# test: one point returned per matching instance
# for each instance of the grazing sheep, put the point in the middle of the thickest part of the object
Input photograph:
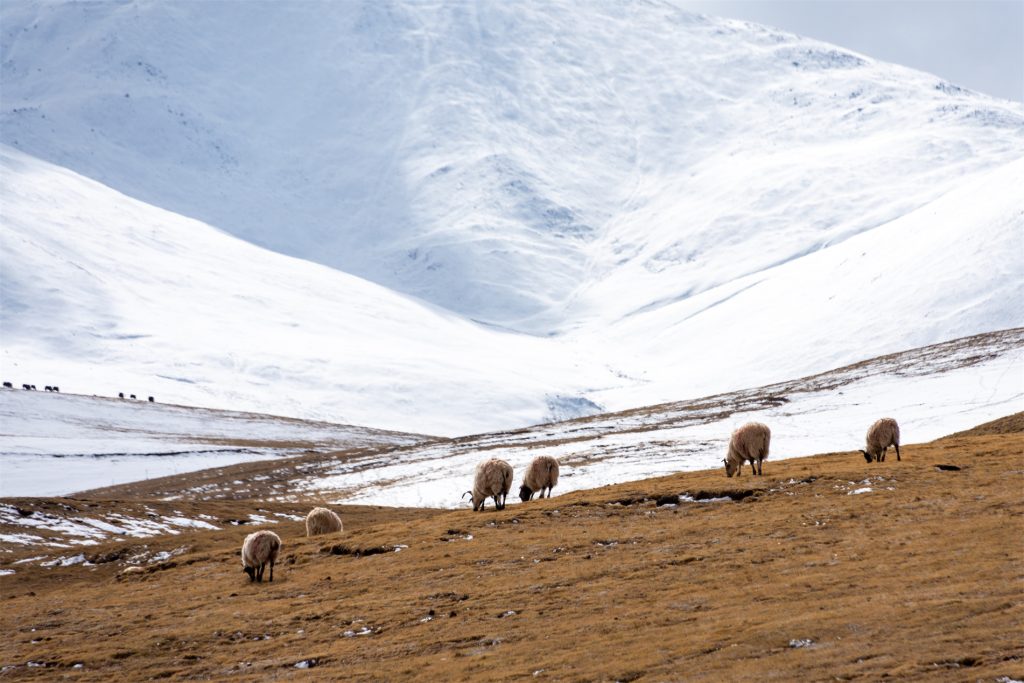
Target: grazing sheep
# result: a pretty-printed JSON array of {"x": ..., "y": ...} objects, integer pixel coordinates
[
  {"x": 882, "y": 434},
  {"x": 749, "y": 443},
  {"x": 322, "y": 521},
  {"x": 493, "y": 478},
  {"x": 541, "y": 474},
  {"x": 259, "y": 549}
]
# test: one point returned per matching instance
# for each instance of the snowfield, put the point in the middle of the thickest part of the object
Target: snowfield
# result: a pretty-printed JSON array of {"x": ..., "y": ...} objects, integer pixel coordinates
[
  {"x": 55, "y": 444},
  {"x": 932, "y": 393},
  {"x": 512, "y": 163},
  {"x": 451, "y": 218}
]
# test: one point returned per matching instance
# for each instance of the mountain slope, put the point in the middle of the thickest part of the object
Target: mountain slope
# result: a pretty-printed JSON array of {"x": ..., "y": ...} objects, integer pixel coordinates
[
  {"x": 103, "y": 294},
  {"x": 640, "y": 204},
  {"x": 512, "y": 163},
  {"x": 904, "y": 571}
]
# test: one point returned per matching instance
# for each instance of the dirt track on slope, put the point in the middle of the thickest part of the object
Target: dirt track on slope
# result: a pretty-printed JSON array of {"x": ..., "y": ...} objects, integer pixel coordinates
[{"x": 798, "y": 575}]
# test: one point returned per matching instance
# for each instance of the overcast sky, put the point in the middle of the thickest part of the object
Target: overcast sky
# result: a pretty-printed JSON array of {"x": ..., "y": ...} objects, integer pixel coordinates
[{"x": 977, "y": 44}]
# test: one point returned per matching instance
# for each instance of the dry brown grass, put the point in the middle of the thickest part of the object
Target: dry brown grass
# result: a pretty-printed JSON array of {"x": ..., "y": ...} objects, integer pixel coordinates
[{"x": 919, "y": 579}]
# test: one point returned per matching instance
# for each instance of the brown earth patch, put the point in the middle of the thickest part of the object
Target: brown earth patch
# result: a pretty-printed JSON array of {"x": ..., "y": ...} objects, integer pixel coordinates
[{"x": 804, "y": 576}]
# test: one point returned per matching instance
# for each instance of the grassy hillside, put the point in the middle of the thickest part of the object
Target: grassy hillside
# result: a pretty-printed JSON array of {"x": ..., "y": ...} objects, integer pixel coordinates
[{"x": 825, "y": 568}]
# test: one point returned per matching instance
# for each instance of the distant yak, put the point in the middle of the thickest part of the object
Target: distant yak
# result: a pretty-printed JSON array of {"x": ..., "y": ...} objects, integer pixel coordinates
[
  {"x": 8, "y": 385},
  {"x": 151, "y": 399},
  {"x": 120, "y": 394},
  {"x": 133, "y": 395}
]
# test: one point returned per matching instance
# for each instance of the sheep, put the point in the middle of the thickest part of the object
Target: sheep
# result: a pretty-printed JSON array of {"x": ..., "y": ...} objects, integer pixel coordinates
[
  {"x": 882, "y": 434},
  {"x": 493, "y": 478},
  {"x": 322, "y": 521},
  {"x": 260, "y": 548},
  {"x": 749, "y": 443},
  {"x": 541, "y": 474}
]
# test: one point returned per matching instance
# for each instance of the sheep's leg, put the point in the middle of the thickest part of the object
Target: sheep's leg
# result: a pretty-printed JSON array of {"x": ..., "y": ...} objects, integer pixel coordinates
[
  {"x": 897, "y": 452},
  {"x": 271, "y": 571},
  {"x": 259, "y": 572},
  {"x": 753, "y": 468},
  {"x": 759, "y": 468},
  {"x": 881, "y": 458}
]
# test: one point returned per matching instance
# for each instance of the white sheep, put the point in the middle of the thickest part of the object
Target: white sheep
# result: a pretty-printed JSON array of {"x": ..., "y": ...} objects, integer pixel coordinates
[
  {"x": 882, "y": 434},
  {"x": 749, "y": 443},
  {"x": 541, "y": 474},
  {"x": 259, "y": 549},
  {"x": 493, "y": 479},
  {"x": 322, "y": 521}
]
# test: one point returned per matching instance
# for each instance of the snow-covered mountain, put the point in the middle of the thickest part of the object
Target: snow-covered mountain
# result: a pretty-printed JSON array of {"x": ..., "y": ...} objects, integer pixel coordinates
[
  {"x": 105, "y": 294},
  {"x": 641, "y": 204}
]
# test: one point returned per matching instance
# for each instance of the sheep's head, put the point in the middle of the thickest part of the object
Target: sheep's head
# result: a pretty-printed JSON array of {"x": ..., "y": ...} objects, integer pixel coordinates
[
  {"x": 476, "y": 503},
  {"x": 731, "y": 467},
  {"x": 867, "y": 456},
  {"x": 251, "y": 572},
  {"x": 525, "y": 492}
]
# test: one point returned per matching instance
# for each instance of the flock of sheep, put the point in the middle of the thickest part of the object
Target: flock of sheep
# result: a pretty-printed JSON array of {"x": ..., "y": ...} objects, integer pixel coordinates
[
  {"x": 493, "y": 479},
  {"x": 56, "y": 389}
]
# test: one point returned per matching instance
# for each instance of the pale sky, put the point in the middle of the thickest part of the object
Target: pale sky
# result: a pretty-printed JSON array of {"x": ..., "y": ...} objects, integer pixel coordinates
[{"x": 976, "y": 44}]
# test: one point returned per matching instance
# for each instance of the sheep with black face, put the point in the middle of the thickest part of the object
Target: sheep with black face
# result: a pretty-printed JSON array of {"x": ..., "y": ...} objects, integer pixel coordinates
[{"x": 540, "y": 475}]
